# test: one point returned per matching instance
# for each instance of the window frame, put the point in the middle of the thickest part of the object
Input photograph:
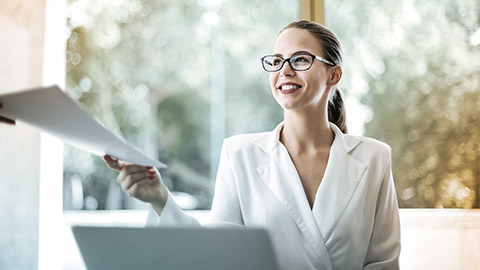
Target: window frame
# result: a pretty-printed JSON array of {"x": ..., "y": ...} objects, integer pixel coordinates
[{"x": 312, "y": 10}]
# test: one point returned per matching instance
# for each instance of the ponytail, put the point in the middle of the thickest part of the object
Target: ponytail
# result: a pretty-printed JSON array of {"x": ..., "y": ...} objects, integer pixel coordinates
[{"x": 336, "y": 111}]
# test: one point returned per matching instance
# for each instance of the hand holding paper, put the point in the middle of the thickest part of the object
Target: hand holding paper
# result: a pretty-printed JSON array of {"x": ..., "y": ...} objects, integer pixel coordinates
[
  {"x": 141, "y": 182},
  {"x": 52, "y": 111}
]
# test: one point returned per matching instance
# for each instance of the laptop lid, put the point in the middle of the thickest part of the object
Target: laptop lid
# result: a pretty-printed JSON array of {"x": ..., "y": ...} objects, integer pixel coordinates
[{"x": 174, "y": 248}]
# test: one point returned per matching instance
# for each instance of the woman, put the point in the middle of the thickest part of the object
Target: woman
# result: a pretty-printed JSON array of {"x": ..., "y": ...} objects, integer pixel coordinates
[{"x": 327, "y": 198}]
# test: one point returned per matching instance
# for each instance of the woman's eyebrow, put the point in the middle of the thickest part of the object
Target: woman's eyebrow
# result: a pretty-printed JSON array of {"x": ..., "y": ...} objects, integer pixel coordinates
[
  {"x": 295, "y": 53},
  {"x": 301, "y": 52}
]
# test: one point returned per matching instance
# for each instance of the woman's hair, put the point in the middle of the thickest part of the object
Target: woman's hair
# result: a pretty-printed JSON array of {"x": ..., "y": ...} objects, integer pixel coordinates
[{"x": 332, "y": 51}]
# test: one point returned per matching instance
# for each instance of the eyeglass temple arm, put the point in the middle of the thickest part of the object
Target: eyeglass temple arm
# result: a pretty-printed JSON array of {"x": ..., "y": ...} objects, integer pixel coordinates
[{"x": 324, "y": 61}]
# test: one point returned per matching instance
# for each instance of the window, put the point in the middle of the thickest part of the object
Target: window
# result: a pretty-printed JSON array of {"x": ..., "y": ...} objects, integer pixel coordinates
[
  {"x": 174, "y": 78},
  {"x": 412, "y": 77}
]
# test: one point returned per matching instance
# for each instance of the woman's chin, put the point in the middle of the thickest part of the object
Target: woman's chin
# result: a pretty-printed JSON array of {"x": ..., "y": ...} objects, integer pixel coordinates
[{"x": 290, "y": 106}]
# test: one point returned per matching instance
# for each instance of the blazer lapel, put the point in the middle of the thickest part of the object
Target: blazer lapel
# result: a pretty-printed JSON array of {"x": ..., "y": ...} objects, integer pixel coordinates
[
  {"x": 342, "y": 175},
  {"x": 280, "y": 175}
]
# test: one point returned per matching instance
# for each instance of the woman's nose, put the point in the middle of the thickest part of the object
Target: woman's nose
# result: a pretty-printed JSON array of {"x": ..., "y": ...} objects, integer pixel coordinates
[{"x": 286, "y": 70}]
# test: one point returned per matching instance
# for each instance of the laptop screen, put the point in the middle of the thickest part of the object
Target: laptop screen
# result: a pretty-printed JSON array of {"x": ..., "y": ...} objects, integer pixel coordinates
[{"x": 174, "y": 248}]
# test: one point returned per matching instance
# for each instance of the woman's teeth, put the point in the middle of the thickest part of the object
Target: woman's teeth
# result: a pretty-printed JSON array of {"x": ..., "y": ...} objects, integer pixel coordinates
[{"x": 289, "y": 87}]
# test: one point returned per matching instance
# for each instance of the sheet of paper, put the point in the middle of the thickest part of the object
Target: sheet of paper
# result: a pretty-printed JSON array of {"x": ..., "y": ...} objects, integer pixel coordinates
[{"x": 53, "y": 111}]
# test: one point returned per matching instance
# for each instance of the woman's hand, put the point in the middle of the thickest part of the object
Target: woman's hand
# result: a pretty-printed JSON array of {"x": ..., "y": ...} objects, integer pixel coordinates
[
  {"x": 141, "y": 182},
  {"x": 6, "y": 120}
]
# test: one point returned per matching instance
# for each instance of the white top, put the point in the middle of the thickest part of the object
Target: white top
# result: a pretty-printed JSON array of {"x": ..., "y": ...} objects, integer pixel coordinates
[{"x": 354, "y": 223}]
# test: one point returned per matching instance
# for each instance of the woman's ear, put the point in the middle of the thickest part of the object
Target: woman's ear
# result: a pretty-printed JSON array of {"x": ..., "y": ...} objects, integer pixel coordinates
[{"x": 335, "y": 75}]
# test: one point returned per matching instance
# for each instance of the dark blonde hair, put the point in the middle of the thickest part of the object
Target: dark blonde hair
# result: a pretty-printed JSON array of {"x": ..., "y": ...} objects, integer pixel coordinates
[{"x": 332, "y": 51}]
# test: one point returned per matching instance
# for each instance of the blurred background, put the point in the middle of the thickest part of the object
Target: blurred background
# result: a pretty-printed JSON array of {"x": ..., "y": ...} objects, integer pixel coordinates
[
  {"x": 414, "y": 66},
  {"x": 174, "y": 78}
]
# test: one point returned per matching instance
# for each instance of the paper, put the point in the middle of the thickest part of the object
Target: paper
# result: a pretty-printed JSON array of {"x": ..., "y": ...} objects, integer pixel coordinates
[{"x": 53, "y": 111}]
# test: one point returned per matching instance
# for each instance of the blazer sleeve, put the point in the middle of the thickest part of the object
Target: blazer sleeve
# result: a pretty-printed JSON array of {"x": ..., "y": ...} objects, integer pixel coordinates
[
  {"x": 384, "y": 248},
  {"x": 171, "y": 215},
  {"x": 225, "y": 206}
]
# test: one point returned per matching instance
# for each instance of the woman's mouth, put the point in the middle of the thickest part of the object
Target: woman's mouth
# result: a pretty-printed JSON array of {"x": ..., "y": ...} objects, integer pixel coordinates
[{"x": 289, "y": 88}]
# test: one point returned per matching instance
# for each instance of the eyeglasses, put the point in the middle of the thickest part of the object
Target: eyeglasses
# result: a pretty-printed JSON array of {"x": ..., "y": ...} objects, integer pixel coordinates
[{"x": 298, "y": 62}]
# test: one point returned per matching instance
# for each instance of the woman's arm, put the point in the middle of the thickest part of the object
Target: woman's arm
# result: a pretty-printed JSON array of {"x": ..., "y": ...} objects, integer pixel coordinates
[
  {"x": 384, "y": 248},
  {"x": 225, "y": 208},
  {"x": 145, "y": 183}
]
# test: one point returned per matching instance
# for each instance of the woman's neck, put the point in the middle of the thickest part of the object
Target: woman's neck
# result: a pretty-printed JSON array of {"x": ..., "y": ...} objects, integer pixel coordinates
[{"x": 306, "y": 131}]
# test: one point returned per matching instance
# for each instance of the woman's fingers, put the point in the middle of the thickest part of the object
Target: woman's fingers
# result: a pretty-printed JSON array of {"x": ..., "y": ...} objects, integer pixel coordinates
[
  {"x": 131, "y": 179},
  {"x": 112, "y": 162},
  {"x": 5, "y": 119},
  {"x": 130, "y": 170},
  {"x": 134, "y": 189}
]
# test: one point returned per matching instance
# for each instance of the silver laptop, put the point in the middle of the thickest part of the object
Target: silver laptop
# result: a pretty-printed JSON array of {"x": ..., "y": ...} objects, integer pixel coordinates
[{"x": 174, "y": 248}]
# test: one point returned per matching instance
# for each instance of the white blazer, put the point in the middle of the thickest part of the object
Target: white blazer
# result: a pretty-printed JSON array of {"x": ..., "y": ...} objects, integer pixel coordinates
[{"x": 354, "y": 223}]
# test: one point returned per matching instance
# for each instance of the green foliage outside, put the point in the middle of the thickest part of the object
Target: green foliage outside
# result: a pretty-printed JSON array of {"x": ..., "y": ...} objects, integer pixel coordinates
[{"x": 419, "y": 69}]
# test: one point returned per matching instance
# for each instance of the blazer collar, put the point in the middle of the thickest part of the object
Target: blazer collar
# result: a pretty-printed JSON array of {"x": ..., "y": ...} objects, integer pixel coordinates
[
  {"x": 333, "y": 196},
  {"x": 268, "y": 141}
]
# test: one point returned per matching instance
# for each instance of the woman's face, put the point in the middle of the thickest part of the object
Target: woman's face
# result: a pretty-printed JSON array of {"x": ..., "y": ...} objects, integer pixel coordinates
[{"x": 296, "y": 90}]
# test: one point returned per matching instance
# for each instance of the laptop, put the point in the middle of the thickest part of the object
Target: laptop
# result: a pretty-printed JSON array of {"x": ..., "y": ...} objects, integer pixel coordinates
[{"x": 174, "y": 248}]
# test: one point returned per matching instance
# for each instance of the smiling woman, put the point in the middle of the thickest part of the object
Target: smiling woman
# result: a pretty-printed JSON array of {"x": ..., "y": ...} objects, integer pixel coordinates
[
  {"x": 332, "y": 192},
  {"x": 332, "y": 50}
]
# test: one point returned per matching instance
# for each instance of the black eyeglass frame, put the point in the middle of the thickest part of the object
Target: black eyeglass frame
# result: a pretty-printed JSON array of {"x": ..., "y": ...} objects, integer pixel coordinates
[{"x": 314, "y": 57}]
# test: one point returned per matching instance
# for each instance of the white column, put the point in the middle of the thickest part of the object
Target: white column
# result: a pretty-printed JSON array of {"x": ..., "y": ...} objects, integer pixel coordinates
[
  {"x": 51, "y": 149},
  {"x": 21, "y": 57}
]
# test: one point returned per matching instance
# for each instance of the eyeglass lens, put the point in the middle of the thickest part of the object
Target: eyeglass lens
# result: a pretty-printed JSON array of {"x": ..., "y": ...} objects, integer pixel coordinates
[{"x": 297, "y": 62}]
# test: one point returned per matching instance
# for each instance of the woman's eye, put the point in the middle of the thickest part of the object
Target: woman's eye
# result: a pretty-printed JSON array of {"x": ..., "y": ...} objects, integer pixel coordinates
[
  {"x": 301, "y": 59},
  {"x": 276, "y": 62}
]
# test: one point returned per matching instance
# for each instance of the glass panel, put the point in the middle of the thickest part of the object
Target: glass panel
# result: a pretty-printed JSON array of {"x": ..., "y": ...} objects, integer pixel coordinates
[
  {"x": 173, "y": 78},
  {"x": 412, "y": 77}
]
